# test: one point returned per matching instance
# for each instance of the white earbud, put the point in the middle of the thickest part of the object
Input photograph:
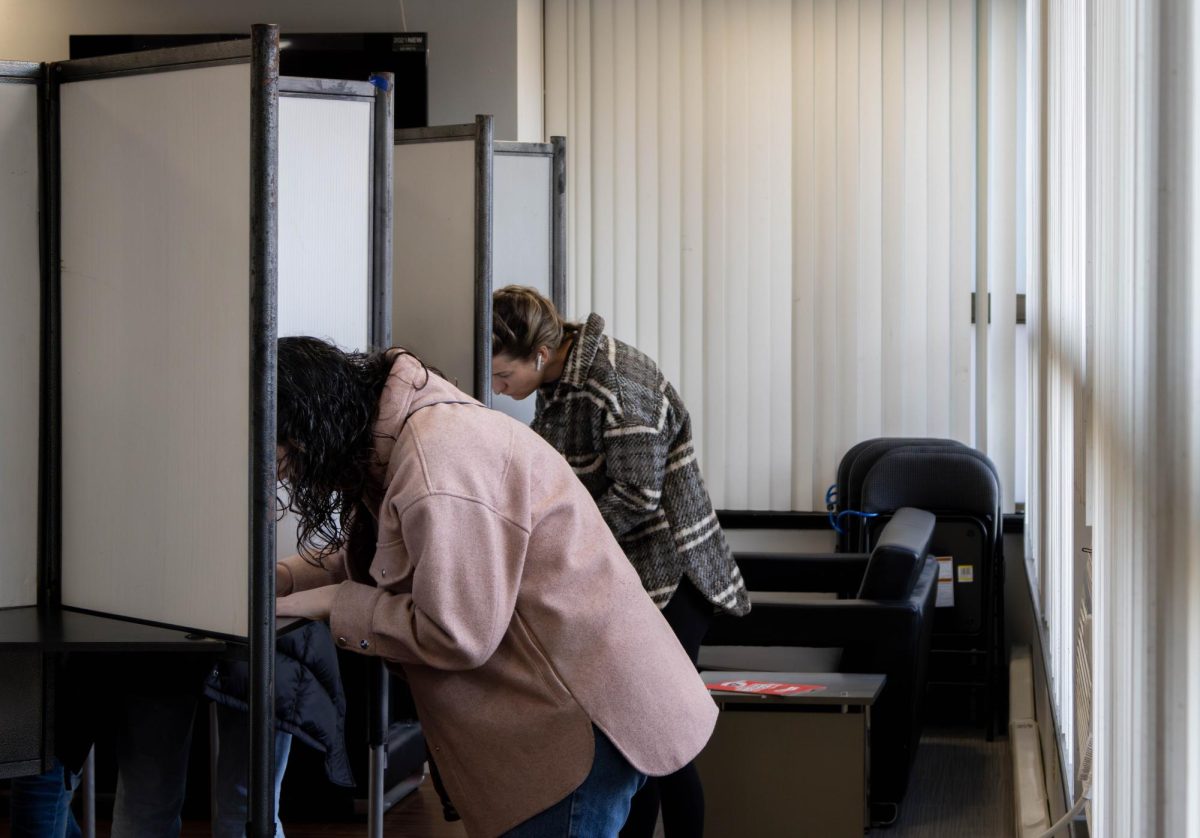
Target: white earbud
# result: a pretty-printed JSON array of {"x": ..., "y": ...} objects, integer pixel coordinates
[{"x": 537, "y": 365}]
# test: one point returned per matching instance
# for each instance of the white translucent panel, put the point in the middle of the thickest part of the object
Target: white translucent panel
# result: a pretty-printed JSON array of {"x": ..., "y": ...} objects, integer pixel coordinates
[
  {"x": 19, "y": 341},
  {"x": 433, "y": 288},
  {"x": 521, "y": 220},
  {"x": 156, "y": 346},
  {"x": 522, "y": 238},
  {"x": 324, "y": 230},
  {"x": 325, "y": 219}
]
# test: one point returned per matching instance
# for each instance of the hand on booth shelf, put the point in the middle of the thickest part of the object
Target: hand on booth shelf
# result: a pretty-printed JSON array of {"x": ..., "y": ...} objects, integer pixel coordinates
[{"x": 314, "y": 604}]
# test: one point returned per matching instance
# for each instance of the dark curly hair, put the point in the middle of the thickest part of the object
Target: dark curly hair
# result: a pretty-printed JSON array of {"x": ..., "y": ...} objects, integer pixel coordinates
[{"x": 327, "y": 401}]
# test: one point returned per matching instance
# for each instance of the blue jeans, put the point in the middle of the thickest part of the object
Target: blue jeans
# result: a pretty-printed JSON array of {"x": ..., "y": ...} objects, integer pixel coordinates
[
  {"x": 40, "y": 806},
  {"x": 153, "y": 739},
  {"x": 598, "y": 808}
]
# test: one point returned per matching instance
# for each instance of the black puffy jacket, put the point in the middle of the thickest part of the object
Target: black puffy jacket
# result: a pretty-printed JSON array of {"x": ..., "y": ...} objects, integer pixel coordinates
[{"x": 309, "y": 701}]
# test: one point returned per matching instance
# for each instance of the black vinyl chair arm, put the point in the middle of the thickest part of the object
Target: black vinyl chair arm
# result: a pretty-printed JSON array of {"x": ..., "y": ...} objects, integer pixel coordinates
[{"x": 841, "y": 622}]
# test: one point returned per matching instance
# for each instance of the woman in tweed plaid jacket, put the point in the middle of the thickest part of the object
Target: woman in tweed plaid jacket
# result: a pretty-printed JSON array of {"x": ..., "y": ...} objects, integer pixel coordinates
[{"x": 620, "y": 424}]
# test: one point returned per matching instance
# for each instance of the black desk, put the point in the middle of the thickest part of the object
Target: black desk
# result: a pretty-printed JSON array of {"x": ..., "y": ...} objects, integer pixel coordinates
[
  {"x": 29, "y": 638},
  {"x": 793, "y": 766},
  {"x": 60, "y": 630}
]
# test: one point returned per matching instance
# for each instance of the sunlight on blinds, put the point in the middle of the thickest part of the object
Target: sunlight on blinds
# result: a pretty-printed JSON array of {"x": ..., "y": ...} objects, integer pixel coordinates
[
  {"x": 1115, "y": 437},
  {"x": 775, "y": 199}
]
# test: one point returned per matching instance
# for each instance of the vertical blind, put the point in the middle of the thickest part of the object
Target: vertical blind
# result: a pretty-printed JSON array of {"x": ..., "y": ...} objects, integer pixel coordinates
[
  {"x": 1056, "y": 315},
  {"x": 996, "y": 281},
  {"x": 1115, "y": 369},
  {"x": 789, "y": 203},
  {"x": 1147, "y": 517},
  {"x": 776, "y": 200}
]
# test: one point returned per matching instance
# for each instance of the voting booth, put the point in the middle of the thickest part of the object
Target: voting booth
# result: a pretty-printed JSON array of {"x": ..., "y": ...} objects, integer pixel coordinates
[
  {"x": 21, "y": 746},
  {"x": 164, "y": 216},
  {"x": 472, "y": 214}
]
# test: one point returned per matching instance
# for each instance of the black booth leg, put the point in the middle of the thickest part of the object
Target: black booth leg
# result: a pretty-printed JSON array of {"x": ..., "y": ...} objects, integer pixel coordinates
[{"x": 264, "y": 212}]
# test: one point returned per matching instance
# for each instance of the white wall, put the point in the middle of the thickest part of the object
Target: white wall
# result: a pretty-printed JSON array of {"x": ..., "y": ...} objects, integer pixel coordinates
[
  {"x": 473, "y": 44},
  {"x": 530, "y": 73},
  {"x": 472, "y": 59}
]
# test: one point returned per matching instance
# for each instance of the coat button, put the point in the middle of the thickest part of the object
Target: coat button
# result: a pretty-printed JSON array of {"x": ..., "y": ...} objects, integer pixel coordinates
[
  {"x": 383, "y": 572},
  {"x": 341, "y": 641},
  {"x": 364, "y": 644}
]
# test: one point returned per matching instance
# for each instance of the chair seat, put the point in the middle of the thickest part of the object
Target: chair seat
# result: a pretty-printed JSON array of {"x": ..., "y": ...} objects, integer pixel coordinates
[
  {"x": 788, "y": 597},
  {"x": 770, "y": 658}
]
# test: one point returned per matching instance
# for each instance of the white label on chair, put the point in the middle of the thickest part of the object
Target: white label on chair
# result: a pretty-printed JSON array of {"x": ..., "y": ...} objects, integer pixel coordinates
[
  {"x": 966, "y": 573},
  {"x": 945, "y": 588}
]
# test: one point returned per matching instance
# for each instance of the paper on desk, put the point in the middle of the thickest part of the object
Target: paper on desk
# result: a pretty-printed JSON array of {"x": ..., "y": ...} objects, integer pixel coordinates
[{"x": 765, "y": 687}]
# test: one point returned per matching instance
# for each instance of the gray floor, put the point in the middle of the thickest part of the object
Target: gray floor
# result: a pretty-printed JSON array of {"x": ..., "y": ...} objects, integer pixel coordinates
[{"x": 961, "y": 786}]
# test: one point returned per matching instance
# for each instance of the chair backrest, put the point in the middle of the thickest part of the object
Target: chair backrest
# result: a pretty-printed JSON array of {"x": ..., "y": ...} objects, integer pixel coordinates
[
  {"x": 939, "y": 479},
  {"x": 854, "y": 467},
  {"x": 865, "y": 453},
  {"x": 959, "y": 486},
  {"x": 898, "y": 556}
]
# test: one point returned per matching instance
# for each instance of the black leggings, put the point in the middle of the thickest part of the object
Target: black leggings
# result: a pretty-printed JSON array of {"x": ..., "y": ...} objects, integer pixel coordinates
[{"x": 680, "y": 794}]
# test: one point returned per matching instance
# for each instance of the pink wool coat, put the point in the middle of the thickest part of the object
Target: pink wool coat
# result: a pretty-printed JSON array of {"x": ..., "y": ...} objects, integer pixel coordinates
[{"x": 519, "y": 622}]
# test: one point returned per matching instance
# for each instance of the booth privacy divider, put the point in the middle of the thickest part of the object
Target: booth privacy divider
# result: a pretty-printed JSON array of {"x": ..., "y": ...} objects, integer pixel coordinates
[
  {"x": 155, "y": 343},
  {"x": 442, "y": 268},
  {"x": 326, "y": 224},
  {"x": 20, "y": 315},
  {"x": 335, "y": 156},
  {"x": 22, "y": 745},
  {"x": 472, "y": 214},
  {"x": 529, "y": 229}
]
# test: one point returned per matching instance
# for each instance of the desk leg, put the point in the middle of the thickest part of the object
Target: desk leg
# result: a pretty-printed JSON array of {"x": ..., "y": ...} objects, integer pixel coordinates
[
  {"x": 377, "y": 738},
  {"x": 214, "y": 750},
  {"x": 375, "y": 795}
]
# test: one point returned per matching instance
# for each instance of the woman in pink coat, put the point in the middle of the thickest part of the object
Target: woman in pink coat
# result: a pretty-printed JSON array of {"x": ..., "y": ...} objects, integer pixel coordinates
[{"x": 453, "y": 541}]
